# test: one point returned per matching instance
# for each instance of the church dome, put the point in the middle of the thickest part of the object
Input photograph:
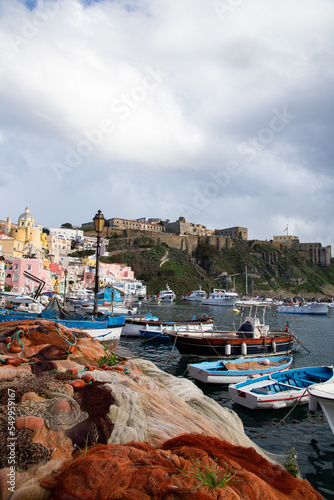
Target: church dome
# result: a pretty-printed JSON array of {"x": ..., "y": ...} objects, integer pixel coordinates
[{"x": 26, "y": 216}]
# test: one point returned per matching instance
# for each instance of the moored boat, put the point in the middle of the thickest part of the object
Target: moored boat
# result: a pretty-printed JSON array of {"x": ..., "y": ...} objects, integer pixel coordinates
[
  {"x": 300, "y": 308},
  {"x": 104, "y": 327},
  {"x": 194, "y": 296},
  {"x": 238, "y": 370},
  {"x": 220, "y": 297},
  {"x": 133, "y": 326},
  {"x": 324, "y": 395},
  {"x": 167, "y": 295},
  {"x": 280, "y": 390},
  {"x": 252, "y": 339}
]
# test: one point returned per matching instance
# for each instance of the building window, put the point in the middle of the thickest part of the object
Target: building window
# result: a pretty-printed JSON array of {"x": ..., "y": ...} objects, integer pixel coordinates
[
  {"x": 15, "y": 277},
  {"x": 29, "y": 267}
]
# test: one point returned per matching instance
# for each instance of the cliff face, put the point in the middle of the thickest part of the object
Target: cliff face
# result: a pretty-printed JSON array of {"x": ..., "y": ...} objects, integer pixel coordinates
[{"x": 269, "y": 270}]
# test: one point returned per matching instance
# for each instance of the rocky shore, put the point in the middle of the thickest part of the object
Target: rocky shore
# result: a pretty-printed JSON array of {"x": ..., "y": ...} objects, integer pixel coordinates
[{"x": 73, "y": 425}]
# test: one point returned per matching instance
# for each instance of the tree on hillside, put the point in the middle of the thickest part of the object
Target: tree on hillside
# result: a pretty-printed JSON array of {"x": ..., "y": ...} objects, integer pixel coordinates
[{"x": 67, "y": 225}]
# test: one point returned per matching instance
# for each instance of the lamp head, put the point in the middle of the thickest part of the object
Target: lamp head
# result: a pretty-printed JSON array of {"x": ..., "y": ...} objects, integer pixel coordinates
[{"x": 99, "y": 221}]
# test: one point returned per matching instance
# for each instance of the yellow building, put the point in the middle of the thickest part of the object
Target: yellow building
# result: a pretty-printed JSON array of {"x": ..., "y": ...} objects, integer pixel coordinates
[{"x": 28, "y": 239}]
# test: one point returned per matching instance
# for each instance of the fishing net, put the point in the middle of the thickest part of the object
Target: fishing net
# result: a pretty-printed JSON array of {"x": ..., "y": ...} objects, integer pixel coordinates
[{"x": 190, "y": 466}]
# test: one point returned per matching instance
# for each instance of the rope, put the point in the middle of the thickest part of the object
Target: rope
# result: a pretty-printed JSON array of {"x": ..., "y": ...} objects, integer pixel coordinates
[
  {"x": 282, "y": 420},
  {"x": 66, "y": 339},
  {"x": 16, "y": 334}
]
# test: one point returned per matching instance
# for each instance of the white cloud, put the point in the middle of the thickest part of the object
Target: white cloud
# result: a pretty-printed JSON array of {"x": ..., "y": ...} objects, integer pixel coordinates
[{"x": 76, "y": 88}]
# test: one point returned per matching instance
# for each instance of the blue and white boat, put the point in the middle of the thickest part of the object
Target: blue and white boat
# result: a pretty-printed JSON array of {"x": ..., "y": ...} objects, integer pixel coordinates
[
  {"x": 280, "y": 390},
  {"x": 105, "y": 327},
  {"x": 237, "y": 370}
]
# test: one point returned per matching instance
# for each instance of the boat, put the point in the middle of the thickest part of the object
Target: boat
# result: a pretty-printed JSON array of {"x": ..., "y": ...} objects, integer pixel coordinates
[
  {"x": 256, "y": 301},
  {"x": 23, "y": 303},
  {"x": 324, "y": 395},
  {"x": 133, "y": 326},
  {"x": 220, "y": 297},
  {"x": 104, "y": 327},
  {"x": 304, "y": 308},
  {"x": 167, "y": 295},
  {"x": 195, "y": 295},
  {"x": 280, "y": 390},
  {"x": 238, "y": 370},
  {"x": 195, "y": 325},
  {"x": 252, "y": 339}
]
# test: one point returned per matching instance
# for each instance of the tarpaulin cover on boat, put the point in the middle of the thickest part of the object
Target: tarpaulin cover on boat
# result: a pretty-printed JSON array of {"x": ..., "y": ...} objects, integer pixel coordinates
[{"x": 55, "y": 310}]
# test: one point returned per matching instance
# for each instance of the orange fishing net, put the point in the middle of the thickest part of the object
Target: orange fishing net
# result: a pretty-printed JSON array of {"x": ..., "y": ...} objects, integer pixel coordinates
[{"x": 179, "y": 469}]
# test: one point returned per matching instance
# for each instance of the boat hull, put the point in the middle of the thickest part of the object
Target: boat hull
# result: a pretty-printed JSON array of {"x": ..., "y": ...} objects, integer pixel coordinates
[
  {"x": 280, "y": 390},
  {"x": 133, "y": 326},
  {"x": 105, "y": 330},
  {"x": 320, "y": 308},
  {"x": 218, "y": 372},
  {"x": 231, "y": 346},
  {"x": 324, "y": 395},
  {"x": 230, "y": 301}
]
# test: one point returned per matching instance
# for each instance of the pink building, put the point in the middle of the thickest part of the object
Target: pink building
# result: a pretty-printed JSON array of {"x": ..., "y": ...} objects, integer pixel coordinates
[
  {"x": 20, "y": 283},
  {"x": 109, "y": 274}
]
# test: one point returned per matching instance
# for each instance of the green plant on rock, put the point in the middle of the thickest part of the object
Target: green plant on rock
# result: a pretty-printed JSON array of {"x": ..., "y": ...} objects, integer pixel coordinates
[
  {"x": 110, "y": 358},
  {"x": 211, "y": 475},
  {"x": 291, "y": 463}
]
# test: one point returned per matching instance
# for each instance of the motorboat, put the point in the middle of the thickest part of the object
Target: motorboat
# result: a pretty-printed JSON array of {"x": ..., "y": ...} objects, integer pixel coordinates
[
  {"x": 167, "y": 295},
  {"x": 149, "y": 323},
  {"x": 194, "y": 296},
  {"x": 220, "y": 297},
  {"x": 280, "y": 390},
  {"x": 324, "y": 395},
  {"x": 230, "y": 372},
  {"x": 252, "y": 339},
  {"x": 196, "y": 325},
  {"x": 304, "y": 308}
]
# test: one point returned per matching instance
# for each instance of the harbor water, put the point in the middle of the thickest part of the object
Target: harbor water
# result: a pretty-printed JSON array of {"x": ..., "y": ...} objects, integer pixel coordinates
[{"x": 273, "y": 430}]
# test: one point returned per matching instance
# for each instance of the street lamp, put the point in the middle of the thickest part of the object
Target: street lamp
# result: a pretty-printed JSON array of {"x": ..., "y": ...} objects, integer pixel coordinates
[
  {"x": 99, "y": 221},
  {"x": 65, "y": 274}
]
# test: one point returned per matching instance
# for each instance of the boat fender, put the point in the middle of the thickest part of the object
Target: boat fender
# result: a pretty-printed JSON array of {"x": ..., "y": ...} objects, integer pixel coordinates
[
  {"x": 227, "y": 349},
  {"x": 312, "y": 403},
  {"x": 273, "y": 346},
  {"x": 243, "y": 349}
]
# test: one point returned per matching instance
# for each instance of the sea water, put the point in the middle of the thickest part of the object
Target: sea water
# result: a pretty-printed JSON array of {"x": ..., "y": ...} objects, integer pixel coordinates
[{"x": 273, "y": 430}]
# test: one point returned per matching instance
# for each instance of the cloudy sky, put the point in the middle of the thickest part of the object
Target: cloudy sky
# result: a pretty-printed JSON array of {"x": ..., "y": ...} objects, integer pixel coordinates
[{"x": 220, "y": 111}]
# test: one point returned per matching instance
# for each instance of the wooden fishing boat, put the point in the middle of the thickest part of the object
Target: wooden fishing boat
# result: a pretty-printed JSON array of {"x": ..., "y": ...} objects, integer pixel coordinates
[
  {"x": 280, "y": 390},
  {"x": 237, "y": 370},
  {"x": 252, "y": 339}
]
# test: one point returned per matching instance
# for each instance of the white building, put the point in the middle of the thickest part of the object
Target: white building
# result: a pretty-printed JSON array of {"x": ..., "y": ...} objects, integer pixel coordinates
[{"x": 67, "y": 234}]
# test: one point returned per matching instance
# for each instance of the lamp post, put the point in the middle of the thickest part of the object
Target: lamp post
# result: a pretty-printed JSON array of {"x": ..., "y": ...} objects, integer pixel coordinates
[
  {"x": 65, "y": 274},
  {"x": 99, "y": 221}
]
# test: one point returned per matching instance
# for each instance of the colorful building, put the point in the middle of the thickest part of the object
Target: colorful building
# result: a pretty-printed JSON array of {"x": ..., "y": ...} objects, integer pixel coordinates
[{"x": 20, "y": 282}]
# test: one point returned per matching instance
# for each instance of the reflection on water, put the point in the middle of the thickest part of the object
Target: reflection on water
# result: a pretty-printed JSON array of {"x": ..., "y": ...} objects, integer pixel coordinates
[{"x": 309, "y": 434}]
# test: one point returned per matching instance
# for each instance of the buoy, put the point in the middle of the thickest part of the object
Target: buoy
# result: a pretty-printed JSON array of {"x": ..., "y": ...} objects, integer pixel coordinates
[
  {"x": 227, "y": 349},
  {"x": 266, "y": 362},
  {"x": 236, "y": 311},
  {"x": 312, "y": 403},
  {"x": 273, "y": 346},
  {"x": 243, "y": 349}
]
